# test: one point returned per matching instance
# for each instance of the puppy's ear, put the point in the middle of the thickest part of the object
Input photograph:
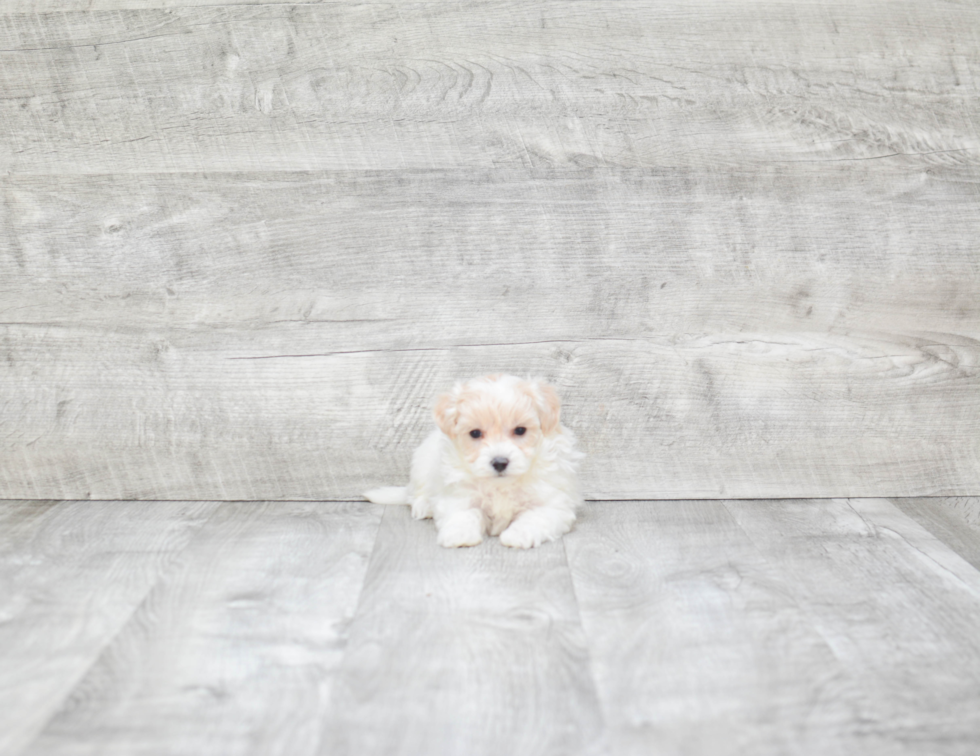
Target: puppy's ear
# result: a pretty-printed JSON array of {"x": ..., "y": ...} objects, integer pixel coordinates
[
  {"x": 446, "y": 412},
  {"x": 548, "y": 405}
]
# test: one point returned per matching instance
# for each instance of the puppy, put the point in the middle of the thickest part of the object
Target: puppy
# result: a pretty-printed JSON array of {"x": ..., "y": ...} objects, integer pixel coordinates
[{"x": 500, "y": 462}]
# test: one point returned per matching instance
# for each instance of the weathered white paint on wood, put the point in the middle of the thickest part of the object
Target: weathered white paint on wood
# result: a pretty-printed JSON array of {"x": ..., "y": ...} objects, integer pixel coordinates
[
  {"x": 235, "y": 652},
  {"x": 276, "y": 411},
  {"x": 741, "y": 237},
  {"x": 425, "y": 85},
  {"x": 284, "y": 335},
  {"x": 464, "y": 651},
  {"x": 71, "y": 576},
  {"x": 442, "y": 257},
  {"x": 47, "y": 6}
]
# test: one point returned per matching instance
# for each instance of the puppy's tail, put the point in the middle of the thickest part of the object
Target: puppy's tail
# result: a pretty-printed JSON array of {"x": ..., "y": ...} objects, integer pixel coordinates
[{"x": 387, "y": 495}]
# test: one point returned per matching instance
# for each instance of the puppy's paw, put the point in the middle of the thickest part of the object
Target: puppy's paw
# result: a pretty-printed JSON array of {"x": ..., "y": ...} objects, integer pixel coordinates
[
  {"x": 536, "y": 527},
  {"x": 464, "y": 529},
  {"x": 421, "y": 509},
  {"x": 454, "y": 537},
  {"x": 520, "y": 537}
]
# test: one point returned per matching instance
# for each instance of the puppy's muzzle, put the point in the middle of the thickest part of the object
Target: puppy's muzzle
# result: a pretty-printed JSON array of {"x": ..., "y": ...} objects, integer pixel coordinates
[{"x": 499, "y": 464}]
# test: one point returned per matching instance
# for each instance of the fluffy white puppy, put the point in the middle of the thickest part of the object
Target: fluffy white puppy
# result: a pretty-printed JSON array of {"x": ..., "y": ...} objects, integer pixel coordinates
[{"x": 500, "y": 462}]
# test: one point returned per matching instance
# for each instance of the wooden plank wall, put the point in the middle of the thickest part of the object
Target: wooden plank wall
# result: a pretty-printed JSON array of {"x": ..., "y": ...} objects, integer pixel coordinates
[{"x": 242, "y": 247}]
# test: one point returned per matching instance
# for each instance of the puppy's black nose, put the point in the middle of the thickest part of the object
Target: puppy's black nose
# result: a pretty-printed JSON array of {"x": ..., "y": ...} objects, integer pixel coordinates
[{"x": 499, "y": 463}]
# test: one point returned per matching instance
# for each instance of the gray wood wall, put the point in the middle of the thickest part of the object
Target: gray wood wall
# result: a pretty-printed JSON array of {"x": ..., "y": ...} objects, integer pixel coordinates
[{"x": 242, "y": 247}]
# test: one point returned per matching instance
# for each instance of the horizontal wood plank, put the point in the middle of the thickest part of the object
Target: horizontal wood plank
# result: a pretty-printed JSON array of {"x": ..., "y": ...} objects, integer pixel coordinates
[
  {"x": 235, "y": 652},
  {"x": 426, "y": 85},
  {"x": 48, "y": 6},
  {"x": 284, "y": 412},
  {"x": 509, "y": 255}
]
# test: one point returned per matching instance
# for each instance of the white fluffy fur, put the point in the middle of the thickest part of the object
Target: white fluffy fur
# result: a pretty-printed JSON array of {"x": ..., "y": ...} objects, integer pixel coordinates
[{"x": 453, "y": 480}]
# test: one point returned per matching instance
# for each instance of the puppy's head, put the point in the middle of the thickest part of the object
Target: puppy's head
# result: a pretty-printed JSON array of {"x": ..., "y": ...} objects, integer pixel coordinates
[{"x": 498, "y": 422}]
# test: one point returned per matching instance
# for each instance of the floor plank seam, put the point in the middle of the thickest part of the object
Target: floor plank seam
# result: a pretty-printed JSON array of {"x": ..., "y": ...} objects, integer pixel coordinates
[
  {"x": 604, "y": 719},
  {"x": 787, "y": 582},
  {"x": 111, "y": 640},
  {"x": 910, "y": 542},
  {"x": 355, "y": 613},
  {"x": 852, "y": 681}
]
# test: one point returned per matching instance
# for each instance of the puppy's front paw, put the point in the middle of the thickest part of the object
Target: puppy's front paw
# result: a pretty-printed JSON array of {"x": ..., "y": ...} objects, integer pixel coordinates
[
  {"x": 421, "y": 509},
  {"x": 520, "y": 537},
  {"x": 537, "y": 526},
  {"x": 464, "y": 529}
]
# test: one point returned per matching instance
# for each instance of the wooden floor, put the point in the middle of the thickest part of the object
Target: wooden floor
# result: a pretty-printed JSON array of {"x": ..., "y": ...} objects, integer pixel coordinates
[
  {"x": 245, "y": 243},
  {"x": 685, "y": 627}
]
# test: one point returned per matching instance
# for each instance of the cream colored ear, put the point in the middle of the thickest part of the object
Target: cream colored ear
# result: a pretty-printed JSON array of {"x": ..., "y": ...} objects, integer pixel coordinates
[
  {"x": 547, "y": 404},
  {"x": 446, "y": 413}
]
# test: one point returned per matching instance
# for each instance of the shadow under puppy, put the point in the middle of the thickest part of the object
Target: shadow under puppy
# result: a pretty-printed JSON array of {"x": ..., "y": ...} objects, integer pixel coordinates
[{"x": 500, "y": 462}]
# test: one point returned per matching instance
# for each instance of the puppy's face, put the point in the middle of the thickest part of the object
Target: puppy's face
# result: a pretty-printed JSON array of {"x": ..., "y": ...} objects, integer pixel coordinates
[{"x": 498, "y": 422}]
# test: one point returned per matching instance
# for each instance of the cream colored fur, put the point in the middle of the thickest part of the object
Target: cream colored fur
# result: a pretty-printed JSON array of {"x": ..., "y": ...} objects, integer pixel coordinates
[{"x": 529, "y": 497}]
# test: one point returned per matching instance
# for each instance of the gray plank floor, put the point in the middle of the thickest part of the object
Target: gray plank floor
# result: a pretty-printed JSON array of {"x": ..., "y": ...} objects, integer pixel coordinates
[{"x": 684, "y": 627}]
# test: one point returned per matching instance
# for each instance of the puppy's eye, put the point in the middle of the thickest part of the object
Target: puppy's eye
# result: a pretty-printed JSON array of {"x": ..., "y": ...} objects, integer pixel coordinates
[
  {"x": 520, "y": 430},
  {"x": 475, "y": 433}
]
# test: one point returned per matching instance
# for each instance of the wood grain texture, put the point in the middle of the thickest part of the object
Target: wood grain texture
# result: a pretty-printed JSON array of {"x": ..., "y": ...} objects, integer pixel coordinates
[
  {"x": 701, "y": 628},
  {"x": 427, "y": 85},
  {"x": 464, "y": 651},
  {"x": 296, "y": 354},
  {"x": 697, "y": 642},
  {"x": 946, "y": 521},
  {"x": 402, "y": 258},
  {"x": 891, "y": 521},
  {"x": 899, "y": 610},
  {"x": 48, "y": 6},
  {"x": 966, "y": 508},
  {"x": 760, "y": 627},
  {"x": 71, "y": 576},
  {"x": 234, "y": 653},
  {"x": 713, "y": 416},
  {"x": 741, "y": 238}
]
